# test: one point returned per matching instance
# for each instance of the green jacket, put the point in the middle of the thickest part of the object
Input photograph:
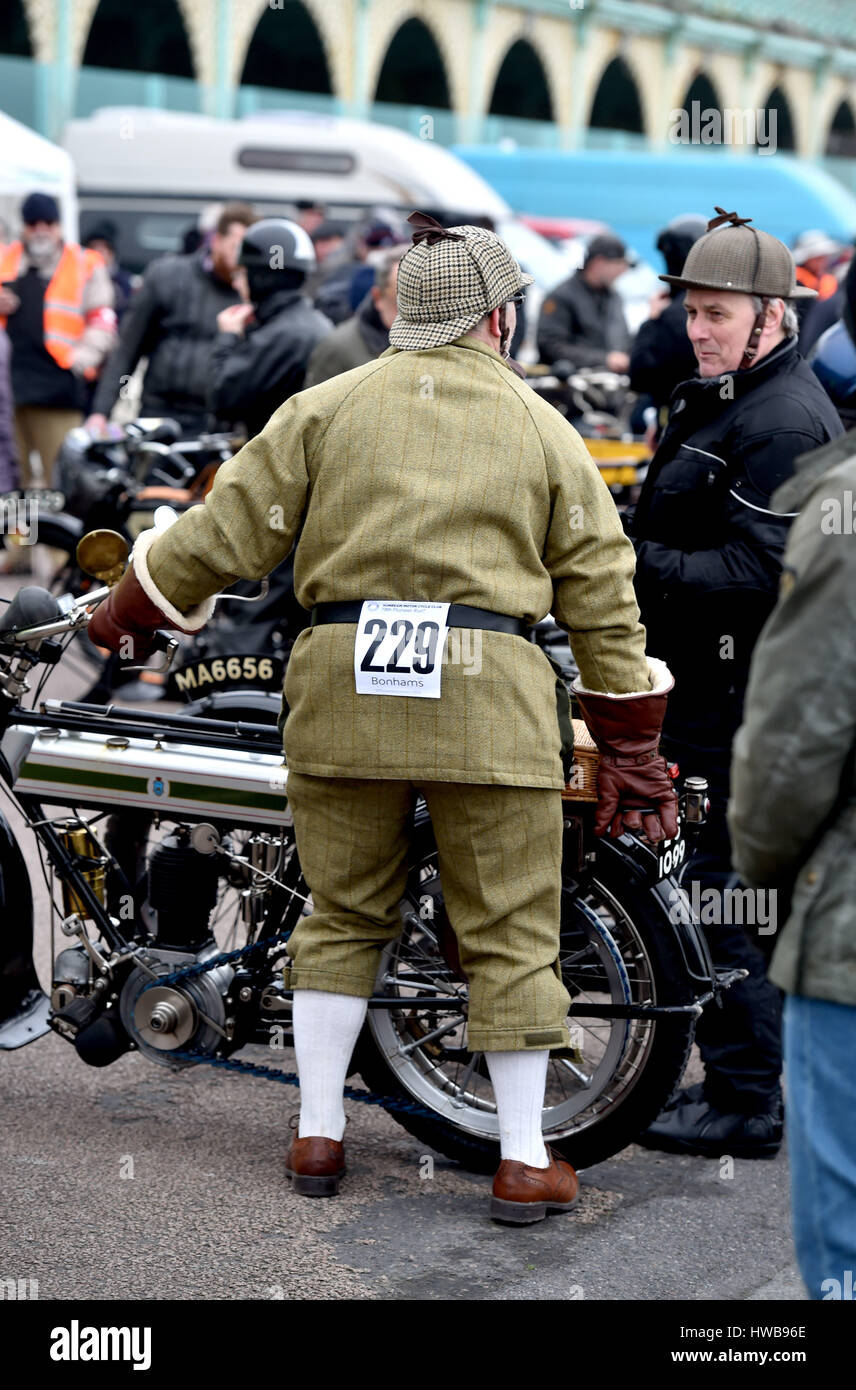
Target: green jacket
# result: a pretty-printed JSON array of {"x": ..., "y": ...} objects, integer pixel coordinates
[
  {"x": 793, "y": 803},
  {"x": 434, "y": 475}
]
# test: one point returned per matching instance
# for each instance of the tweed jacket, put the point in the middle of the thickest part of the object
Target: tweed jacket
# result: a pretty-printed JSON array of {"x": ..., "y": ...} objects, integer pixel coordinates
[{"x": 434, "y": 475}]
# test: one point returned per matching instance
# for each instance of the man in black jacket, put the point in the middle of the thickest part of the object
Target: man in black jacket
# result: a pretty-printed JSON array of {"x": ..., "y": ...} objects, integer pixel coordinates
[
  {"x": 262, "y": 349},
  {"x": 708, "y": 559},
  {"x": 258, "y": 361},
  {"x": 582, "y": 320},
  {"x": 172, "y": 320}
]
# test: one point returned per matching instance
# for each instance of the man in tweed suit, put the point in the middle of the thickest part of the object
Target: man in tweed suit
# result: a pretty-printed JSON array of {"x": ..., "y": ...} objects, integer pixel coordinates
[{"x": 432, "y": 474}]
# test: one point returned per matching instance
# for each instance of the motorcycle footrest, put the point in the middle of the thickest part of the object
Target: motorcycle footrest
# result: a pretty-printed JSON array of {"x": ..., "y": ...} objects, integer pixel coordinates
[{"x": 77, "y": 1014}]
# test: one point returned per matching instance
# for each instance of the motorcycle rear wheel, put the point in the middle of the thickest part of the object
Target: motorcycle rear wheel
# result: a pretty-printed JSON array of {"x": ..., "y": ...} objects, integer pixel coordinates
[{"x": 613, "y": 949}]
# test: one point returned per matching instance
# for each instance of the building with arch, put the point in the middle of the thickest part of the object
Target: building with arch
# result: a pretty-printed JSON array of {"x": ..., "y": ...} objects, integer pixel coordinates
[{"x": 569, "y": 73}]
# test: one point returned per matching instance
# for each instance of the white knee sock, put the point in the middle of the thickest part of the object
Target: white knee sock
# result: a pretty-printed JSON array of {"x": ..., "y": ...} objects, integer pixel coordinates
[
  {"x": 519, "y": 1079},
  {"x": 326, "y": 1026}
]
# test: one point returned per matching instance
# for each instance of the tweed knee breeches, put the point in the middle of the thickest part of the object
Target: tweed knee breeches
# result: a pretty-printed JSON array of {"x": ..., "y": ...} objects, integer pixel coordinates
[{"x": 500, "y": 864}]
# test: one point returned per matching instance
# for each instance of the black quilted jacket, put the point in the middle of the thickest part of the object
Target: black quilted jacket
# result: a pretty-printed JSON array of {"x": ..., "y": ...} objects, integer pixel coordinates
[
  {"x": 708, "y": 546},
  {"x": 172, "y": 321}
]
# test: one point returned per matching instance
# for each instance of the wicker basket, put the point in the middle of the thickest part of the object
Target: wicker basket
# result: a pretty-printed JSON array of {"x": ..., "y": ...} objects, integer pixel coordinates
[{"x": 583, "y": 785}]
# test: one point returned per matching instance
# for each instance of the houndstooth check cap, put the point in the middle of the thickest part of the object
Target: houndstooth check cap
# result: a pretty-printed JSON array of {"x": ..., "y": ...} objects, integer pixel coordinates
[{"x": 448, "y": 280}]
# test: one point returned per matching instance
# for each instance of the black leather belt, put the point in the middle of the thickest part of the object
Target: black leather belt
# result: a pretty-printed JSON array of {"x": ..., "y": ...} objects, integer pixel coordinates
[{"x": 460, "y": 615}]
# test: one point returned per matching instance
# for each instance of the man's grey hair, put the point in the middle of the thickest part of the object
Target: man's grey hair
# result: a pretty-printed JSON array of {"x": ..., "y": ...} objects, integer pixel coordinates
[
  {"x": 383, "y": 261},
  {"x": 790, "y": 322}
]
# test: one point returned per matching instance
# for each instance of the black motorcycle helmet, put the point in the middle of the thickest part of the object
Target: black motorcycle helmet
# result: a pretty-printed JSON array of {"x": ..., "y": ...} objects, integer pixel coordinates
[
  {"x": 677, "y": 237},
  {"x": 277, "y": 255}
]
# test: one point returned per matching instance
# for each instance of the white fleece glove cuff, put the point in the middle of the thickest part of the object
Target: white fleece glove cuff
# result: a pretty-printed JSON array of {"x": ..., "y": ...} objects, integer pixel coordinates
[
  {"x": 191, "y": 621},
  {"x": 662, "y": 682}
]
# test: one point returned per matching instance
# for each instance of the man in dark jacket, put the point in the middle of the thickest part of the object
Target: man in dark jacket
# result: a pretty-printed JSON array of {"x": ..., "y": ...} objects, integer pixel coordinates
[
  {"x": 662, "y": 354},
  {"x": 365, "y": 336},
  {"x": 708, "y": 559},
  {"x": 258, "y": 361},
  {"x": 260, "y": 355},
  {"x": 582, "y": 321},
  {"x": 172, "y": 320}
]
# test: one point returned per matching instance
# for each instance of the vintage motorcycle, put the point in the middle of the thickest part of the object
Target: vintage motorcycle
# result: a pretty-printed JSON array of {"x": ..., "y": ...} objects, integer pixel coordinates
[
  {"x": 142, "y": 470},
  {"x": 175, "y": 883}
]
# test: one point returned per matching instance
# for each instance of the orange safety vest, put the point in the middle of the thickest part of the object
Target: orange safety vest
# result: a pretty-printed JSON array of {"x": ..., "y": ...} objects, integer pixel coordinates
[
  {"x": 64, "y": 320},
  {"x": 825, "y": 284}
]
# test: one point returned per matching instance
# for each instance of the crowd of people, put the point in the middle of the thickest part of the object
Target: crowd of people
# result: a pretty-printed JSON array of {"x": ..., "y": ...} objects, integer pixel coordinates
[
  {"x": 75, "y": 325},
  {"x": 228, "y": 329},
  {"x": 733, "y": 605}
]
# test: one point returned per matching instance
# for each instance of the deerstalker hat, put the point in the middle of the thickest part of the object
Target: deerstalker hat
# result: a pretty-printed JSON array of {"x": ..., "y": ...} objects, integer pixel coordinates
[
  {"x": 734, "y": 256},
  {"x": 448, "y": 280}
]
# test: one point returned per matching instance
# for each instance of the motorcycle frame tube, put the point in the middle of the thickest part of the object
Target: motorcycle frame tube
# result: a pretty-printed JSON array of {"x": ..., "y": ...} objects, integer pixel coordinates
[{"x": 67, "y": 870}]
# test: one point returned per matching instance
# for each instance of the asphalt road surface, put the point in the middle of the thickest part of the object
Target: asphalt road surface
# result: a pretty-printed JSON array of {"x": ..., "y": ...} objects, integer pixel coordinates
[{"x": 132, "y": 1182}]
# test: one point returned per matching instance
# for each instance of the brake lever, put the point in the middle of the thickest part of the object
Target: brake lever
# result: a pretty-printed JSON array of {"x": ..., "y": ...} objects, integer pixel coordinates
[{"x": 161, "y": 642}]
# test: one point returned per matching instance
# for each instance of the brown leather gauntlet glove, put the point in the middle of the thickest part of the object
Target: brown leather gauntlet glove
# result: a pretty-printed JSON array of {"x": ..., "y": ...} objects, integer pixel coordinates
[
  {"x": 126, "y": 621},
  {"x": 632, "y": 773}
]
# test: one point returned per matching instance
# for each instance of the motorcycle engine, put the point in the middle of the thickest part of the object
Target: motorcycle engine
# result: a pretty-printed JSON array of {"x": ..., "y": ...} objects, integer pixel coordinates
[
  {"x": 191, "y": 1014},
  {"x": 164, "y": 1019}
]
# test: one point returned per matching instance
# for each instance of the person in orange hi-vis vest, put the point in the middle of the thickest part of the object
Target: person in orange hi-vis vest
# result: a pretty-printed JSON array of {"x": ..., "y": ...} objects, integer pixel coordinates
[
  {"x": 812, "y": 253},
  {"x": 56, "y": 304}
]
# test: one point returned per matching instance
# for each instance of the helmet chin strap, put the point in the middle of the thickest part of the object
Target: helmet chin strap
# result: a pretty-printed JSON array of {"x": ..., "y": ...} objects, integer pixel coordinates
[{"x": 754, "y": 342}]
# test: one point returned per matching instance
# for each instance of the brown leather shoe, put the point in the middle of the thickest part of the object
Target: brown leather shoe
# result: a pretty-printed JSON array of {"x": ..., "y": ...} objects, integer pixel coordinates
[
  {"x": 522, "y": 1194},
  {"x": 315, "y": 1165}
]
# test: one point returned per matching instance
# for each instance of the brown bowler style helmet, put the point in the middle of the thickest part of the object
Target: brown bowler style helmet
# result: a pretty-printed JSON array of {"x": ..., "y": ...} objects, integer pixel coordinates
[{"x": 743, "y": 260}]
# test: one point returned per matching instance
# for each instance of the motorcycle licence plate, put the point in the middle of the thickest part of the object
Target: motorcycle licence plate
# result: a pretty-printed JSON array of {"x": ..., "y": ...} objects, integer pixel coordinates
[
  {"x": 244, "y": 671},
  {"x": 670, "y": 855}
]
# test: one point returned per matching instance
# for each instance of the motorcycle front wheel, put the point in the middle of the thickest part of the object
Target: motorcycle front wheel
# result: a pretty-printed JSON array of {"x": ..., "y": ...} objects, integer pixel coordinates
[{"x": 599, "y": 1097}]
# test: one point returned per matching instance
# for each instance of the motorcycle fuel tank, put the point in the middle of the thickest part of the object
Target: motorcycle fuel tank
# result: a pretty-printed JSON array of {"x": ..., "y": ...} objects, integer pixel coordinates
[{"x": 64, "y": 767}]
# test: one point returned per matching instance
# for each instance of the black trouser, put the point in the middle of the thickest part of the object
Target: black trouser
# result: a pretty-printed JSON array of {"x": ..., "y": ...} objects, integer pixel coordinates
[{"x": 740, "y": 1043}]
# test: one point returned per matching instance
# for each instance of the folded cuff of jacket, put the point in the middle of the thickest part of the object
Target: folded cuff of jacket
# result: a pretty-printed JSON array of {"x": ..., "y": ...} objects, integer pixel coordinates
[
  {"x": 191, "y": 621},
  {"x": 661, "y": 678}
]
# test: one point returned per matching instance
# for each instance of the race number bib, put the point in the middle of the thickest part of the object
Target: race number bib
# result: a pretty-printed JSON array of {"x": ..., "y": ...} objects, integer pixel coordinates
[{"x": 398, "y": 648}]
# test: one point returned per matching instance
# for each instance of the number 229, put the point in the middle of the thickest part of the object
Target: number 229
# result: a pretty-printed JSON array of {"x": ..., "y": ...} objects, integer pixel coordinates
[{"x": 424, "y": 646}]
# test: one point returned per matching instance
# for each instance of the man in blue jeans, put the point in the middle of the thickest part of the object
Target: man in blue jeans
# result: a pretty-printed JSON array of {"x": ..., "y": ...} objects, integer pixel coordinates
[{"x": 793, "y": 826}]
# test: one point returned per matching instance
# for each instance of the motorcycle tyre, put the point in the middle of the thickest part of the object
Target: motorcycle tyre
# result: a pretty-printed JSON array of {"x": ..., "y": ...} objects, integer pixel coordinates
[{"x": 667, "y": 1059}]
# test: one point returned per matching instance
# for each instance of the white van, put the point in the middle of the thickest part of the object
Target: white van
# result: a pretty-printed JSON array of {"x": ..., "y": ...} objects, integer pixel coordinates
[{"x": 152, "y": 172}]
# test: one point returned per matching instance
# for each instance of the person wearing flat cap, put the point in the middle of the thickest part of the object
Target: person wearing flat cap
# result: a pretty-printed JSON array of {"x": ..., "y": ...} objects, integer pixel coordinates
[
  {"x": 709, "y": 550},
  {"x": 430, "y": 476}
]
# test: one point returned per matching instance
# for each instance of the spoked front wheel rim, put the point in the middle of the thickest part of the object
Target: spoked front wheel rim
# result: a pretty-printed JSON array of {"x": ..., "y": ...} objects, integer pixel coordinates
[{"x": 604, "y": 960}]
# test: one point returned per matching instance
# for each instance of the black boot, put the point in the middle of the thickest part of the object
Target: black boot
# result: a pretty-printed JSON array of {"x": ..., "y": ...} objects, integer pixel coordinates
[{"x": 696, "y": 1126}]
